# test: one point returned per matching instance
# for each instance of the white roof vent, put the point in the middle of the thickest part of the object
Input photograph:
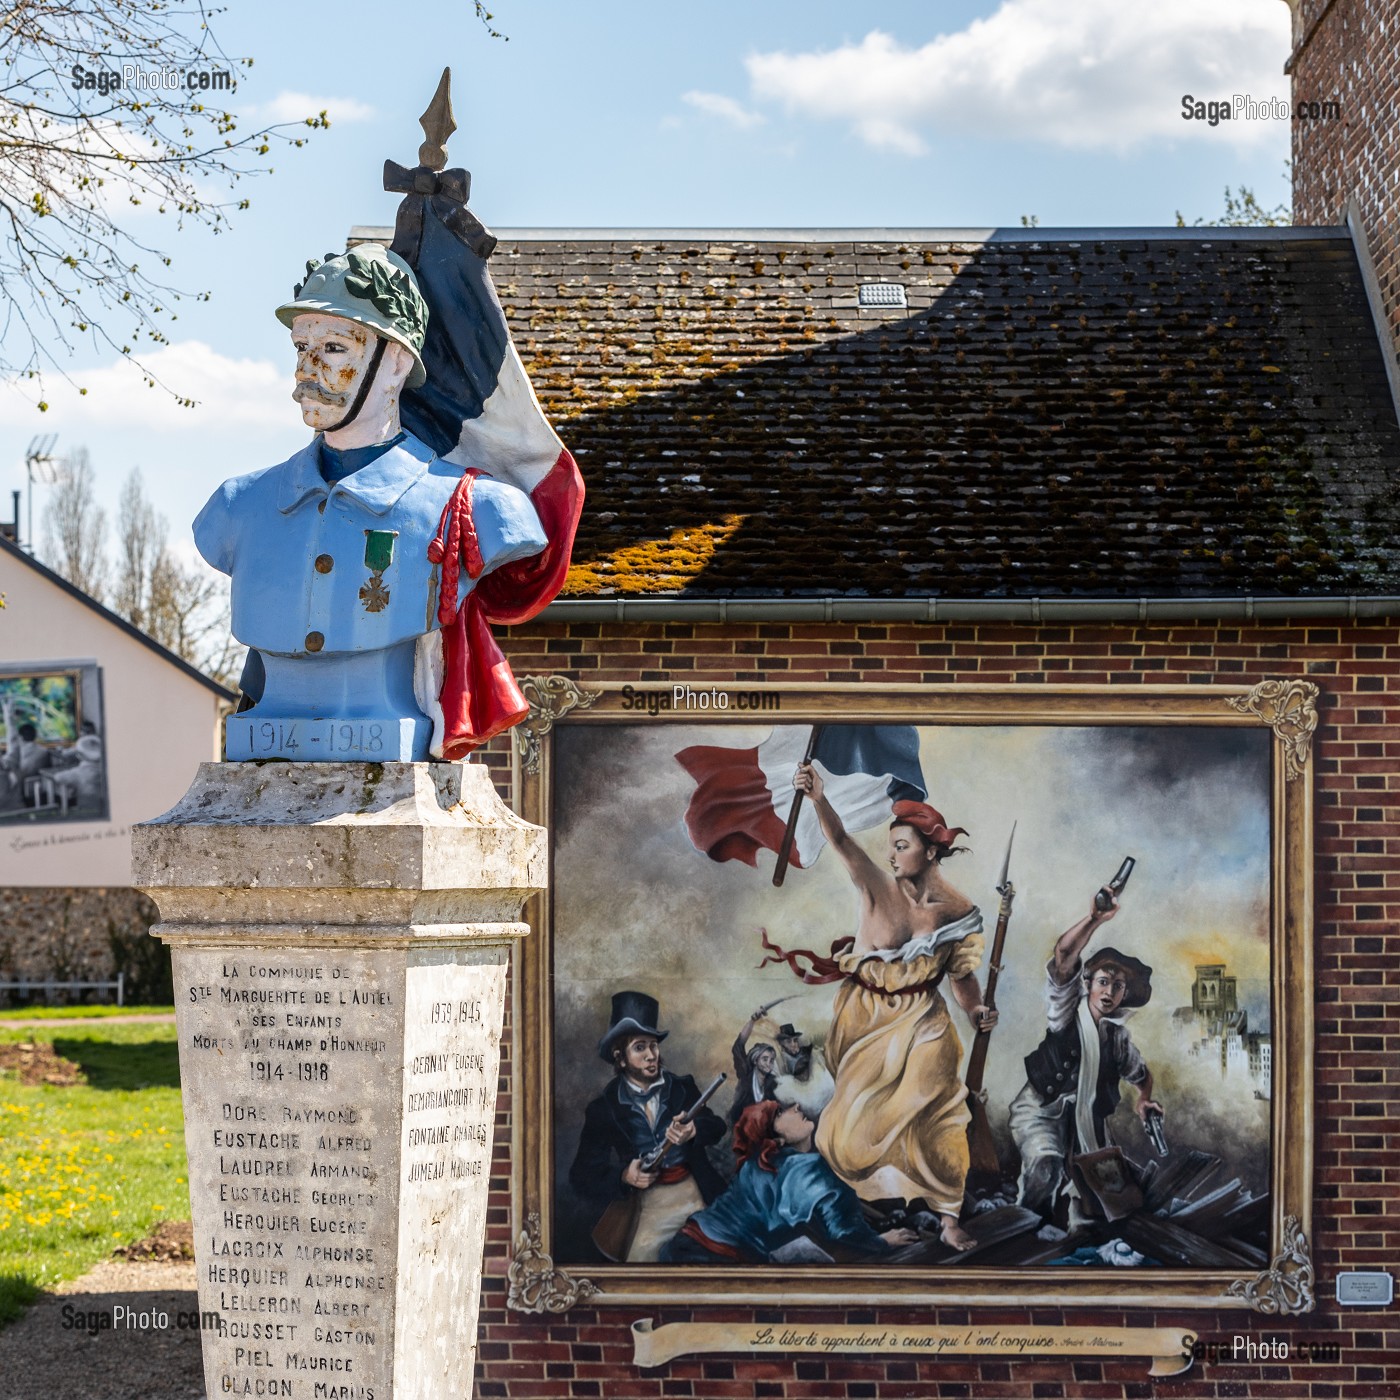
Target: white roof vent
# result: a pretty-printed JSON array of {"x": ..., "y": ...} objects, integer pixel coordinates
[{"x": 883, "y": 294}]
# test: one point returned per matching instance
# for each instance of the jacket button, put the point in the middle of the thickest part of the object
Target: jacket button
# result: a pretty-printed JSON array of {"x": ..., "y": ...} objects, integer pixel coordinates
[
  {"x": 324, "y": 563},
  {"x": 1060, "y": 1075},
  {"x": 314, "y": 641}
]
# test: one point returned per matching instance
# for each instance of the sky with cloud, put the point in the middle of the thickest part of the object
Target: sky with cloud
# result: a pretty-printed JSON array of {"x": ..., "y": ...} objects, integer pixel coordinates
[{"x": 794, "y": 113}]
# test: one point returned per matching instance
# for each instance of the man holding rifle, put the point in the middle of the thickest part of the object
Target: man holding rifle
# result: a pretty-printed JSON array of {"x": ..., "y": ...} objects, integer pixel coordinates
[{"x": 643, "y": 1199}]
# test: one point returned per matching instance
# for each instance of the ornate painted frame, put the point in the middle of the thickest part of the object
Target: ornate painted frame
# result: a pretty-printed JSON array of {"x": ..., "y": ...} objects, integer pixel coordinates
[{"x": 1287, "y": 707}]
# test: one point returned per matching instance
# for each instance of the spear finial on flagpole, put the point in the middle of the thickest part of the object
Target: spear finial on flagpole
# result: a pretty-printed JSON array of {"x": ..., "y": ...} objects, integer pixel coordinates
[
  {"x": 431, "y": 180},
  {"x": 438, "y": 124}
]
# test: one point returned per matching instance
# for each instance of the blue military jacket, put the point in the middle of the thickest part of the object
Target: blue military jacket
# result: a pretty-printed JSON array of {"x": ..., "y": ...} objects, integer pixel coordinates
[{"x": 301, "y": 556}]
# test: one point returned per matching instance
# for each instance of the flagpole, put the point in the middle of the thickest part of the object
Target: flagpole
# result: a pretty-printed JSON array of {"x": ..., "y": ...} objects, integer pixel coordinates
[{"x": 785, "y": 850}]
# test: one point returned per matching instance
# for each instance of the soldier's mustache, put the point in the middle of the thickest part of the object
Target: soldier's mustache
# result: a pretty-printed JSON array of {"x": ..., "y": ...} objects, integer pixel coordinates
[{"x": 309, "y": 389}]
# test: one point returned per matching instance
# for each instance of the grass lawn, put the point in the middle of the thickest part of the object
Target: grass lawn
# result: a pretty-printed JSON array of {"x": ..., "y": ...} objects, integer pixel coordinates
[
  {"x": 87, "y": 1167},
  {"x": 74, "y": 1013}
]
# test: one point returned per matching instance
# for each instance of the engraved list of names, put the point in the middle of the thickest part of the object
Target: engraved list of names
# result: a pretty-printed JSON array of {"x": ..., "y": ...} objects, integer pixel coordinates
[{"x": 338, "y": 1111}]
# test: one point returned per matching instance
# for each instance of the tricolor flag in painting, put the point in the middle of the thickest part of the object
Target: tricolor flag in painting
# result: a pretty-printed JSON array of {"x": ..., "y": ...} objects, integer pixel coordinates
[
  {"x": 743, "y": 796},
  {"x": 479, "y": 411}
]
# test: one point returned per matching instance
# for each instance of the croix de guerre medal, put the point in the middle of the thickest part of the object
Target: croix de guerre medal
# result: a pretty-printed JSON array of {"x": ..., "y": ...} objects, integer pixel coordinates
[{"x": 379, "y": 554}]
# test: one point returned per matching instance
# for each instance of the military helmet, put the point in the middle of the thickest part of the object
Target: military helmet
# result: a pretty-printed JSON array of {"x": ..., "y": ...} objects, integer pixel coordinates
[{"x": 373, "y": 288}]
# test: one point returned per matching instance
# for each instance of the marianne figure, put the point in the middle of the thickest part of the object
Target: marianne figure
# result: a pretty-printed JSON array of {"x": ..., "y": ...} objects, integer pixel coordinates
[{"x": 896, "y": 1128}]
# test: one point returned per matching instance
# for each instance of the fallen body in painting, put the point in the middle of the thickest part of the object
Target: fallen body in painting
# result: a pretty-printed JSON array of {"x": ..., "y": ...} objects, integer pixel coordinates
[{"x": 1185, "y": 1221}]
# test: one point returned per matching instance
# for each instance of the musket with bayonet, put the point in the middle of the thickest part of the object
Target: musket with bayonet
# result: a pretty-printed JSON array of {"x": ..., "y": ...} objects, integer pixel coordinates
[{"x": 985, "y": 1169}]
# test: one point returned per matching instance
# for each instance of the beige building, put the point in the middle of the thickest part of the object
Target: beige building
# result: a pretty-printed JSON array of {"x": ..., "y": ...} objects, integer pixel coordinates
[{"x": 100, "y": 727}]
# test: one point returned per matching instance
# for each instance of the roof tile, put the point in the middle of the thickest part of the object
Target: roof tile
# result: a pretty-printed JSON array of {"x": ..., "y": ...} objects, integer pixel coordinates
[{"x": 1108, "y": 416}]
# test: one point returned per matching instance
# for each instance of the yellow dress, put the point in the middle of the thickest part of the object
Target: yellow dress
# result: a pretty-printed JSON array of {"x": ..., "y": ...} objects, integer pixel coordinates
[{"x": 896, "y": 1125}]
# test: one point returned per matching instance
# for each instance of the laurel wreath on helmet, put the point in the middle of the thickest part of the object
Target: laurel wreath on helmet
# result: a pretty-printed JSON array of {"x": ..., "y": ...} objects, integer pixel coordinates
[
  {"x": 385, "y": 287},
  {"x": 312, "y": 266},
  {"x": 390, "y": 291}
]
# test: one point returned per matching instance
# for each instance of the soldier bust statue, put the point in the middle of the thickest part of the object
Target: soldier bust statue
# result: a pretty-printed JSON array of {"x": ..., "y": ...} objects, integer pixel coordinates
[
  {"x": 335, "y": 586},
  {"x": 368, "y": 568}
]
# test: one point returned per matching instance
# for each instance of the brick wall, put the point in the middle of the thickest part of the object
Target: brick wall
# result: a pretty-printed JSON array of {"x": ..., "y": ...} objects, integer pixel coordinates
[
  {"x": 1356, "y": 762},
  {"x": 1350, "y": 50}
]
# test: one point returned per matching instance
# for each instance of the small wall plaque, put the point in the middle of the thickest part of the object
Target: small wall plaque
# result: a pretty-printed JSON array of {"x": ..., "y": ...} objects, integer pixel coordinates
[{"x": 1369, "y": 1289}]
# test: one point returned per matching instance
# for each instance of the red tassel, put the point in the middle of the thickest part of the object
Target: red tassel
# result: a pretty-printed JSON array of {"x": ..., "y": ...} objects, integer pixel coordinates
[{"x": 479, "y": 696}]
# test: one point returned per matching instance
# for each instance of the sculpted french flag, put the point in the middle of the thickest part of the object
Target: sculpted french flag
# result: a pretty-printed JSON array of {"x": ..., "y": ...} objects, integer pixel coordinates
[
  {"x": 742, "y": 797},
  {"x": 478, "y": 410}
]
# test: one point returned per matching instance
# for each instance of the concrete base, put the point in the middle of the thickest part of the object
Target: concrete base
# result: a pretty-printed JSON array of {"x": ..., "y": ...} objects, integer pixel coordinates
[{"x": 340, "y": 936}]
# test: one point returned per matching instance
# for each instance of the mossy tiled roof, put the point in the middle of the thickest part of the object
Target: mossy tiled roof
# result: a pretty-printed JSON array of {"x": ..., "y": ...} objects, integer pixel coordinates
[{"x": 1117, "y": 415}]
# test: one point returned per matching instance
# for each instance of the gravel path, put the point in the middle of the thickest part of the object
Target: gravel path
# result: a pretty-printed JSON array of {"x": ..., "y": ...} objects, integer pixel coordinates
[{"x": 41, "y": 1359}]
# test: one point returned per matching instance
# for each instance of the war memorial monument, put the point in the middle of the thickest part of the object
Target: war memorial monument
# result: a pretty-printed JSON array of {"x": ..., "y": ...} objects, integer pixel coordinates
[{"x": 341, "y": 896}]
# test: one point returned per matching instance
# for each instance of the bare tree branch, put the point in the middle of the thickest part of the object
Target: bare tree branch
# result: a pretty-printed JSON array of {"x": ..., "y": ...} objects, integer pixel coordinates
[
  {"x": 141, "y": 538},
  {"x": 75, "y": 526},
  {"x": 188, "y": 612},
  {"x": 180, "y": 605},
  {"x": 105, "y": 105}
]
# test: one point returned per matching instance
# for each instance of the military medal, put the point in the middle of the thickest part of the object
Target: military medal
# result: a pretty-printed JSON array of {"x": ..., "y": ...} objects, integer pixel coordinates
[{"x": 379, "y": 554}]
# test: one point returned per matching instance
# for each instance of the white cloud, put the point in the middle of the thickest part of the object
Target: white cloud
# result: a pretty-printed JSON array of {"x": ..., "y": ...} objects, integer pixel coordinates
[
  {"x": 1092, "y": 74},
  {"x": 231, "y": 396},
  {"x": 298, "y": 106},
  {"x": 888, "y": 135},
  {"x": 245, "y": 420},
  {"x": 715, "y": 104}
]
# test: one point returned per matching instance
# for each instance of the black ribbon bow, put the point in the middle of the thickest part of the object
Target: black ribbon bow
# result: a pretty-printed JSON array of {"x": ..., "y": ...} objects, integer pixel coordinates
[{"x": 448, "y": 190}]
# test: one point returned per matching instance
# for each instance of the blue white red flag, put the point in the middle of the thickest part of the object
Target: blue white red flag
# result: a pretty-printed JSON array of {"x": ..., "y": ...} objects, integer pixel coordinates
[
  {"x": 479, "y": 411},
  {"x": 742, "y": 797}
]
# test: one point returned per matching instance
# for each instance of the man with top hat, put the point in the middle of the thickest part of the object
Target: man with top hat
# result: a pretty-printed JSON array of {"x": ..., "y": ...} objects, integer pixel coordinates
[
  {"x": 1073, "y": 1075},
  {"x": 795, "y": 1054},
  {"x": 633, "y": 1117},
  {"x": 337, "y": 555}
]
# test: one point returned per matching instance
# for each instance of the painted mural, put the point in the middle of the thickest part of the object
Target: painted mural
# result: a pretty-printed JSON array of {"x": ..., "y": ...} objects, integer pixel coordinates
[
  {"x": 53, "y": 764},
  {"x": 813, "y": 913}
]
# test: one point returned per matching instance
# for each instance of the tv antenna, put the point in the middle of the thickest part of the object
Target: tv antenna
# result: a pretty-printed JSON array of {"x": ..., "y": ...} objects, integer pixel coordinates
[{"x": 41, "y": 466}]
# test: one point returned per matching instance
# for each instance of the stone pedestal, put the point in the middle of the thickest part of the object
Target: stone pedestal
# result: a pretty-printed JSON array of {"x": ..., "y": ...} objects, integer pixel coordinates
[{"x": 340, "y": 935}]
